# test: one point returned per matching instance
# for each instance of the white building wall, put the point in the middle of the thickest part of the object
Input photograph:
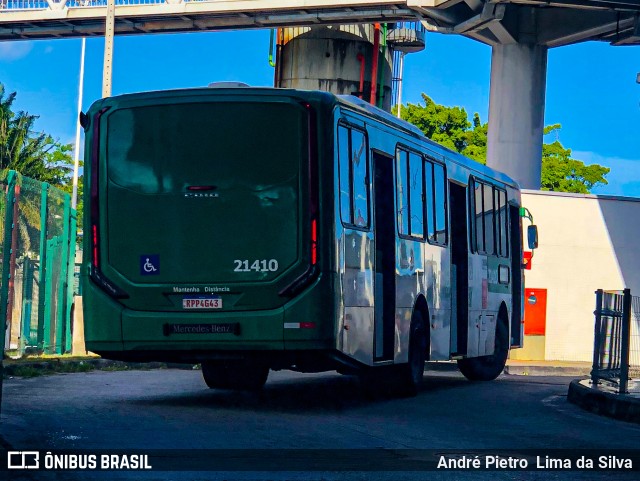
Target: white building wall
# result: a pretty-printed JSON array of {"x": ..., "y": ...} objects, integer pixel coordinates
[{"x": 586, "y": 242}]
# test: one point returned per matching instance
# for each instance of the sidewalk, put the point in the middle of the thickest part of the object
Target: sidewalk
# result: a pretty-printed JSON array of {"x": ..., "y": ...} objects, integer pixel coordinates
[
  {"x": 527, "y": 368},
  {"x": 35, "y": 366},
  {"x": 547, "y": 368}
]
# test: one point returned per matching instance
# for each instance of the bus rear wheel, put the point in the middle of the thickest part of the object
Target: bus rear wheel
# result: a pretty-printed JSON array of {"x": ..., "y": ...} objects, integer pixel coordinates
[
  {"x": 240, "y": 375},
  {"x": 487, "y": 368},
  {"x": 400, "y": 380},
  {"x": 409, "y": 376}
]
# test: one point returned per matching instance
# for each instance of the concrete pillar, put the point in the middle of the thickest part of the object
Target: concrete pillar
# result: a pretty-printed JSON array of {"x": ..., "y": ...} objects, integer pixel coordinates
[
  {"x": 78, "y": 346},
  {"x": 327, "y": 58},
  {"x": 516, "y": 111}
]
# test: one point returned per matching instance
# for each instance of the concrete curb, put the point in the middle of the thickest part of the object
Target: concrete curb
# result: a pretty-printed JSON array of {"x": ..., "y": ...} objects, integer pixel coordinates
[
  {"x": 54, "y": 365},
  {"x": 519, "y": 369},
  {"x": 535, "y": 370},
  {"x": 598, "y": 401}
]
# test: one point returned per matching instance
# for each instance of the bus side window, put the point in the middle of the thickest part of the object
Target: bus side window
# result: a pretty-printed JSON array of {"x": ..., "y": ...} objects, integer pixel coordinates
[
  {"x": 353, "y": 163},
  {"x": 504, "y": 232},
  {"x": 430, "y": 195},
  {"x": 490, "y": 230},
  {"x": 402, "y": 191},
  {"x": 359, "y": 162},
  {"x": 500, "y": 202},
  {"x": 344, "y": 161},
  {"x": 478, "y": 219},
  {"x": 416, "y": 196},
  {"x": 499, "y": 222},
  {"x": 489, "y": 222},
  {"x": 440, "y": 184}
]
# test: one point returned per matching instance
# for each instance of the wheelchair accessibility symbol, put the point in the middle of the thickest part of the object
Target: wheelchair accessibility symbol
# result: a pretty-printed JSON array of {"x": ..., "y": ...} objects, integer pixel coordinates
[{"x": 149, "y": 265}]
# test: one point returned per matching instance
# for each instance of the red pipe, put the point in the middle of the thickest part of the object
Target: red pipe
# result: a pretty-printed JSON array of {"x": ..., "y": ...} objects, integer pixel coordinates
[
  {"x": 360, "y": 58},
  {"x": 374, "y": 64},
  {"x": 277, "y": 74}
]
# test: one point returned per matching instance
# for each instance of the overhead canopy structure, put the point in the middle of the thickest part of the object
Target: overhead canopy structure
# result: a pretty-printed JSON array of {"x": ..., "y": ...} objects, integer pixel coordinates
[
  {"x": 547, "y": 22},
  {"x": 551, "y": 23}
]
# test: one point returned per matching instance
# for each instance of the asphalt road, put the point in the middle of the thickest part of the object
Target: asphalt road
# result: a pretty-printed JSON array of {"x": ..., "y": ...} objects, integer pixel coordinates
[{"x": 173, "y": 409}]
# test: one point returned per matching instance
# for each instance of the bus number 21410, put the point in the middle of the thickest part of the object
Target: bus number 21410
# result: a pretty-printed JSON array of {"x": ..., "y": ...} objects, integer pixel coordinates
[{"x": 262, "y": 265}]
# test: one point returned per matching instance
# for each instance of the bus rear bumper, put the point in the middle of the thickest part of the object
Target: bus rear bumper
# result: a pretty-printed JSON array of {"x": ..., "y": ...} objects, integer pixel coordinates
[{"x": 223, "y": 330}]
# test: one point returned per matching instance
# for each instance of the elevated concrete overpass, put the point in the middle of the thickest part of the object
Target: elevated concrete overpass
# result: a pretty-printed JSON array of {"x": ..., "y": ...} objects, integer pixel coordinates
[
  {"x": 32, "y": 19},
  {"x": 546, "y": 22},
  {"x": 520, "y": 33}
]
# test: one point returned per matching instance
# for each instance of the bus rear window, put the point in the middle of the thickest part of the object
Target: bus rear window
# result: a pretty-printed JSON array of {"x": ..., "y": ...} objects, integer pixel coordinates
[{"x": 162, "y": 149}]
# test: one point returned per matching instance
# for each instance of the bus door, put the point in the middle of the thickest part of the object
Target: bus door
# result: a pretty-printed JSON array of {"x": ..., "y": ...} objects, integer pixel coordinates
[
  {"x": 385, "y": 262},
  {"x": 460, "y": 269}
]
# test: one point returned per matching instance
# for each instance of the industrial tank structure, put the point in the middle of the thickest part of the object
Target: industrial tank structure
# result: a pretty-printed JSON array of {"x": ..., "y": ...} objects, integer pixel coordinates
[{"x": 364, "y": 60}]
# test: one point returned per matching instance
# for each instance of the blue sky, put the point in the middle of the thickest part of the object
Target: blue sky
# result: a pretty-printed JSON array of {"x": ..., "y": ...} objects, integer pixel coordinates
[{"x": 591, "y": 87}]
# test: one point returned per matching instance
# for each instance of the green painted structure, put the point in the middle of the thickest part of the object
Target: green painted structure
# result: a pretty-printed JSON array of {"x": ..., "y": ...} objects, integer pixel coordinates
[{"x": 38, "y": 229}]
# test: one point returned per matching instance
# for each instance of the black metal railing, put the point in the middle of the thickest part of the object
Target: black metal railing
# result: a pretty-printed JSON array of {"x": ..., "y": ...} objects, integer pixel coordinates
[{"x": 616, "y": 345}]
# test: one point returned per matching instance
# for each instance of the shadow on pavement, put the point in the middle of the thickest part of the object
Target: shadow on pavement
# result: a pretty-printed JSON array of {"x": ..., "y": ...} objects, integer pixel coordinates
[{"x": 318, "y": 394}]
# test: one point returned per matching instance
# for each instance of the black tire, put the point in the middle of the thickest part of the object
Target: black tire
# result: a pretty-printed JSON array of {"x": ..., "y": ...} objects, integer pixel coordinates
[
  {"x": 487, "y": 368},
  {"x": 234, "y": 375},
  {"x": 409, "y": 375},
  {"x": 402, "y": 380},
  {"x": 214, "y": 374}
]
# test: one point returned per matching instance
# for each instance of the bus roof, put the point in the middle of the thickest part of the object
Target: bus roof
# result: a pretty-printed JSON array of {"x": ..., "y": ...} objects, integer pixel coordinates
[
  {"x": 349, "y": 101},
  {"x": 381, "y": 115}
]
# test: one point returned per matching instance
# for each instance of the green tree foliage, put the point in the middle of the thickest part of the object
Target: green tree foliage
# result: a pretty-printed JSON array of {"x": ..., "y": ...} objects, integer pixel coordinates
[
  {"x": 446, "y": 125},
  {"x": 34, "y": 154},
  {"x": 562, "y": 173},
  {"x": 450, "y": 127}
]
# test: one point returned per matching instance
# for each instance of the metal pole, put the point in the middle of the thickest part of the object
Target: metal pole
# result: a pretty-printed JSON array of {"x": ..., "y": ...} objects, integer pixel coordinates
[
  {"x": 596, "y": 338},
  {"x": 43, "y": 330},
  {"x": 27, "y": 301},
  {"x": 108, "y": 48},
  {"x": 76, "y": 157},
  {"x": 70, "y": 280},
  {"x": 625, "y": 340},
  {"x": 9, "y": 227},
  {"x": 63, "y": 324},
  {"x": 13, "y": 258},
  {"x": 400, "y": 71}
]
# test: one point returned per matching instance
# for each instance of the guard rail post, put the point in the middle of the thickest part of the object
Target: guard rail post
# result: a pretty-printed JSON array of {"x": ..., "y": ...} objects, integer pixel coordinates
[
  {"x": 625, "y": 341},
  {"x": 596, "y": 337}
]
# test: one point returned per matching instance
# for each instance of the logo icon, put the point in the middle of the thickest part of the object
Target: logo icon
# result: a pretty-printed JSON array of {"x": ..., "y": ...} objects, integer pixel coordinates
[
  {"x": 149, "y": 265},
  {"x": 23, "y": 460}
]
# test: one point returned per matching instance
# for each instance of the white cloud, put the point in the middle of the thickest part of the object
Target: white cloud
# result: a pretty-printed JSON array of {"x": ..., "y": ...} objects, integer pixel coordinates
[
  {"x": 10, "y": 51},
  {"x": 624, "y": 178}
]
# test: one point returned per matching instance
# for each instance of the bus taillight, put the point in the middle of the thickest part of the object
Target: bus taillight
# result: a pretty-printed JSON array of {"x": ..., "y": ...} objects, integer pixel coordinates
[
  {"x": 96, "y": 274},
  {"x": 312, "y": 153},
  {"x": 95, "y": 211},
  {"x": 314, "y": 242},
  {"x": 94, "y": 245}
]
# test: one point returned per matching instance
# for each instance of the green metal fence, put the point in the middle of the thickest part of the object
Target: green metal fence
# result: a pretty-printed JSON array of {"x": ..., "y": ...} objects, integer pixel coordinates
[{"x": 38, "y": 229}]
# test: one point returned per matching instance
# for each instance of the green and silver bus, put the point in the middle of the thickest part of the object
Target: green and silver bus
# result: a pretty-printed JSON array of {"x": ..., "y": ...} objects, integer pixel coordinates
[{"x": 250, "y": 229}]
